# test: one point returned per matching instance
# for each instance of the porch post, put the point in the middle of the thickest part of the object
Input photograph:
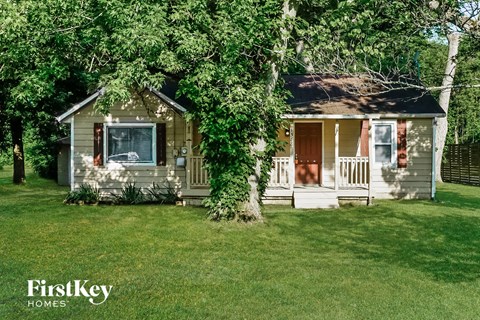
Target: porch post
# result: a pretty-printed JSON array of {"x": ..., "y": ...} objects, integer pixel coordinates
[
  {"x": 370, "y": 160},
  {"x": 291, "y": 164},
  {"x": 337, "y": 162}
]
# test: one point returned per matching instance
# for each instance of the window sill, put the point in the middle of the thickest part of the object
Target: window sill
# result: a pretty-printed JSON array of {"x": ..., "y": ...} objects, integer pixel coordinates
[
  {"x": 385, "y": 165},
  {"x": 130, "y": 164}
]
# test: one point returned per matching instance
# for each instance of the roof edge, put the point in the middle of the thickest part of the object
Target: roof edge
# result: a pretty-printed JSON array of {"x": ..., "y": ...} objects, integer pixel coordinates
[
  {"x": 64, "y": 117},
  {"x": 364, "y": 116},
  {"x": 174, "y": 105}
]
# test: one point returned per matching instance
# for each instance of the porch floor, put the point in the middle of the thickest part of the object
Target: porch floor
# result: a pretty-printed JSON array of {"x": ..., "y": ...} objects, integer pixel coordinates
[{"x": 312, "y": 196}]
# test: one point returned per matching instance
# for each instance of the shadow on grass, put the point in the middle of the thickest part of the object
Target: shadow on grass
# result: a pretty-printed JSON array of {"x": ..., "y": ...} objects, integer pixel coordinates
[
  {"x": 458, "y": 200},
  {"x": 34, "y": 191},
  {"x": 418, "y": 235}
]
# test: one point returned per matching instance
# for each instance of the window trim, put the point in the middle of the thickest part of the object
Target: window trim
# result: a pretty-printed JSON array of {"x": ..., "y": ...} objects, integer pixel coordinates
[
  {"x": 393, "y": 160},
  {"x": 152, "y": 126}
]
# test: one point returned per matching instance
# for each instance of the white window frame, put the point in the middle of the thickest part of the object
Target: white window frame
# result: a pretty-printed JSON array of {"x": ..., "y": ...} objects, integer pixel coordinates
[
  {"x": 393, "y": 160},
  {"x": 153, "y": 126}
]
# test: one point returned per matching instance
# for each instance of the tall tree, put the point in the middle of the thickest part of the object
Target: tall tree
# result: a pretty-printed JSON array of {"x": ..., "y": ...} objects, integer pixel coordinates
[
  {"x": 228, "y": 55},
  {"x": 444, "y": 98},
  {"x": 37, "y": 48},
  {"x": 237, "y": 98},
  {"x": 454, "y": 19},
  {"x": 464, "y": 114}
]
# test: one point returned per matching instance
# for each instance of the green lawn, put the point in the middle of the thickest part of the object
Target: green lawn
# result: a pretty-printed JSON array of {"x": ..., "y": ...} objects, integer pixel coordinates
[{"x": 394, "y": 260}]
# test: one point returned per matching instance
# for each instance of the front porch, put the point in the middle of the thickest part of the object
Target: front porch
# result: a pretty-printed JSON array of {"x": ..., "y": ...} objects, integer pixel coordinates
[{"x": 346, "y": 177}]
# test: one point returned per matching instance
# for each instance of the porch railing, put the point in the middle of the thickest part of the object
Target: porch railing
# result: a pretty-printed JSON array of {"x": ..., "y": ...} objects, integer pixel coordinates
[
  {"x": 353, "y": 172},
  {"x": 279, "y": 176},
  {"x": 198, "y": 174}
]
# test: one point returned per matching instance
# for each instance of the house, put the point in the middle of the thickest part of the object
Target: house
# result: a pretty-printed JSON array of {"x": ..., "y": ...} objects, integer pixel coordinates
[{"x": 345, "y": 138}]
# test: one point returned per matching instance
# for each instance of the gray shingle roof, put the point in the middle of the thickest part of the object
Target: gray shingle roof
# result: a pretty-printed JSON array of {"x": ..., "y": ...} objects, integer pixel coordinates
[{"x": 346, "y": 95}]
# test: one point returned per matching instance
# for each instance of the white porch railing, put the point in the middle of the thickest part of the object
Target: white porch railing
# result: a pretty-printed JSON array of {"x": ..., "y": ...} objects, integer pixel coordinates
[
  {"x": 198, "y": 174},
  {"x": 354, "y": 172},
  {"x": 280, "y": 172}
]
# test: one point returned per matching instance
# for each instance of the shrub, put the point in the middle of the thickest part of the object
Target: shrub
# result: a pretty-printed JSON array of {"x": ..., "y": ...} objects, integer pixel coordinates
[
  {"x": 86, "y": 194},
  {"x": 41, "y": 148},
  {"x": 130, "y": 194},
  {"x": 164, "y": 194},
  {"x": 5, "y": 159}
]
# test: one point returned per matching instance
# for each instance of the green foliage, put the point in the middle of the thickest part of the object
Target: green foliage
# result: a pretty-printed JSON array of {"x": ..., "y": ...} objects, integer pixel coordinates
[
  {"x": 128, "y": 46},
  {"x": 464, "y": 111},
  {"x": 5, "y": 159},
  {"x": 358, "y": 36},
  {"x": 432, "y": 61},
  {"x": 129, "y": 194},
  {"x": 463, "y": 114},
  {"x": 163, "y": 194},
  {"x": 228, "y": 87},
  {"x": 41, "y": 70},
  {"x": 41, "y": 147},
  {"x": 86, "y": 194}
]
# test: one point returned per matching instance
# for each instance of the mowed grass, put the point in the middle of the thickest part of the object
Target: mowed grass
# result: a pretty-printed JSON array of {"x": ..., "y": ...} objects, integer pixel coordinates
[{"x": 393, "y": 260}]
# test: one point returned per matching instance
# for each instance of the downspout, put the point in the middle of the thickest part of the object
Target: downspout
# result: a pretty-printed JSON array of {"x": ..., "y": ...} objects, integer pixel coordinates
[
  {"x": 434, "y": 147},
  {"x": 72, "y": 154}
]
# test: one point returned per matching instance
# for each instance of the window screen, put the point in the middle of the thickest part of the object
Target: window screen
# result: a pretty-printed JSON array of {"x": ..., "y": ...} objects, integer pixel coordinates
[
  {"x": 383, "y": 143},
  {"x": 130, "y": 144}
]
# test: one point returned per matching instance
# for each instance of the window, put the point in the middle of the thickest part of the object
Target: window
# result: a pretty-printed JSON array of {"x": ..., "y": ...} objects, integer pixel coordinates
[
  {"x": 131, "y": 143},
  {"x": 385, "y": 142}
]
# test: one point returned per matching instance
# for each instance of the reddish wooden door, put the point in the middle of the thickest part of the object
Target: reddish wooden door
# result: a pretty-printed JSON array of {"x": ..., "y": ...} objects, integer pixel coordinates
[{"x": 308, "y": 153}]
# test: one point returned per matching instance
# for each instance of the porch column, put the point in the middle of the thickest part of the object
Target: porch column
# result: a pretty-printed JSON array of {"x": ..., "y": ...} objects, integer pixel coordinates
[
  {"x": 188, "y": 135},
  {"x": 337, "y": 162},
  {"x": 291, "y": 164},
  {"x": 370, "y": 160}
]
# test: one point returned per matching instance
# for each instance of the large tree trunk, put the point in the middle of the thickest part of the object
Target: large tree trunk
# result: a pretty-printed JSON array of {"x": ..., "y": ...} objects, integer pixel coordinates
[
  {"x": 444, "y": 99},
  {"x": 252, "y": 208},
  {"x": 305, "y": 61},
  {"x": 16, "y": 128}
]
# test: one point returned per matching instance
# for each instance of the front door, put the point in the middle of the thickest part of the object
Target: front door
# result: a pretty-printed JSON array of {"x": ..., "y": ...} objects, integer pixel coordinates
[{"x": 308, "y": 153}]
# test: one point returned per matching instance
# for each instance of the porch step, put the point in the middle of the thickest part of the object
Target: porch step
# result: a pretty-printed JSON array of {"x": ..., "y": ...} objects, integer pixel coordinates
[{"x": 315, "y": 199}]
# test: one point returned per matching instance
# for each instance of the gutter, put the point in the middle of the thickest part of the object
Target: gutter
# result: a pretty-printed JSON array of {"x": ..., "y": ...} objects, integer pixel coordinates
[
  {"x": 434, "y": 156},
  {"x": 364, "y": 116}
]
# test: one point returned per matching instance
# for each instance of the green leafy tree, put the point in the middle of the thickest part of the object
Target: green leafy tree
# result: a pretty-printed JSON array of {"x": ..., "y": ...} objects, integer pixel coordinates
[
  {"x": 228, "y": 55},
  {"x": 464, "y": 116},
  {"x": 455, "y": 19},
  {"x": 368, "y": 37},
  {"x": 234, "y": 87},
  {"x": 38, "y": 49}
]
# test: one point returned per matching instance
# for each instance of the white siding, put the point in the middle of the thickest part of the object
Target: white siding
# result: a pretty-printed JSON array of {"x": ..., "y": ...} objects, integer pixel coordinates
[
  {"x": 111, "y": 177},
  {"x": 415, "y": 180},
  {"x": 411, "y": 182}
]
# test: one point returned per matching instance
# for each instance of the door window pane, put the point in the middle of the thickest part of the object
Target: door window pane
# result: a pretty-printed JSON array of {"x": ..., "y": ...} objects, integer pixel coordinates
[
  {"x": 383, "y": 133},
  {"x": 383, "y": 153}
]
